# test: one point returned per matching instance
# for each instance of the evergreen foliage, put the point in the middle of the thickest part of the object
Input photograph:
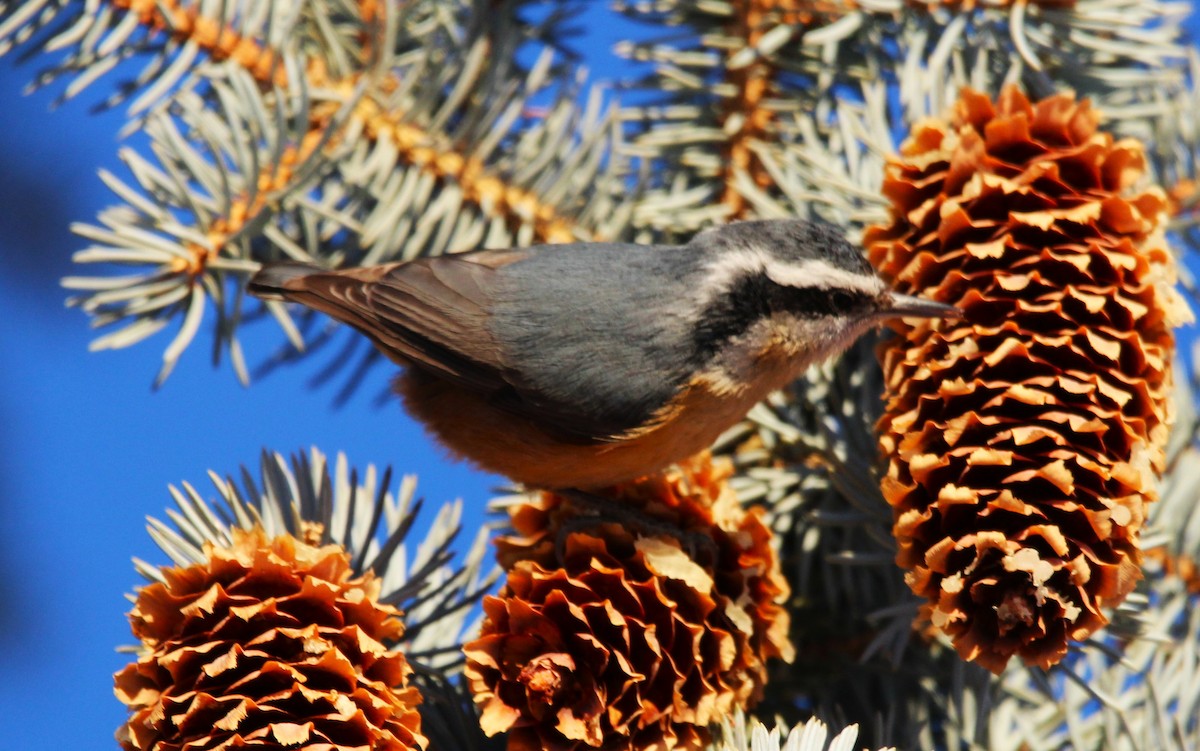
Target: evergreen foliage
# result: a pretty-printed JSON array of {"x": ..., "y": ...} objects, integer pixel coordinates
[{"x": 355, "y": 132}]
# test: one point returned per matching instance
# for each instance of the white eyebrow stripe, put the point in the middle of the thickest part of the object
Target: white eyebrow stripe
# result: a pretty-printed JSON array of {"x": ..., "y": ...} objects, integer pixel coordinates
[
  {"x": 735, "y": 264},
  {"x": 810, "y": 273},
  {"x": 815, "y": 273}
]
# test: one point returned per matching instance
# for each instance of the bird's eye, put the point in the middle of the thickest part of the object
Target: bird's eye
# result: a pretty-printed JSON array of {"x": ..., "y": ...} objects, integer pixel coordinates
[{"x": 842, "y": 302}]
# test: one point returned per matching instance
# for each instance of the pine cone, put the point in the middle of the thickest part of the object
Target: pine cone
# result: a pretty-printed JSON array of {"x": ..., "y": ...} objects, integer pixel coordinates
[
  {"x": 1025, "y": 440},
  {"x": 630, "y": 642},
  {"x": 269, "y": 643}
]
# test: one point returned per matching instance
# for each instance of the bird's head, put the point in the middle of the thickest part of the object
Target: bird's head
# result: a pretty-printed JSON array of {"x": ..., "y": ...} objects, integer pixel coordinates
[{"x": 790, "y": 289}]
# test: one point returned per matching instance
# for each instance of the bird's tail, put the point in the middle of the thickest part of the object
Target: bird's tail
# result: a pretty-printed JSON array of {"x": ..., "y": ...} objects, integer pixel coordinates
[
  {"x": 340, "y": 294},
  {"x": 277, "y": 280}
]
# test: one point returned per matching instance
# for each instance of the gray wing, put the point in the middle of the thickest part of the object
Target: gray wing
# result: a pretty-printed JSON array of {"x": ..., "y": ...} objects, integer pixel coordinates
[
  {"x": 530, "y": 329},
  {"x": 600, "y": 338},
  {"x": 429, "y": 313},
  {"x": 434, "y": 312}
]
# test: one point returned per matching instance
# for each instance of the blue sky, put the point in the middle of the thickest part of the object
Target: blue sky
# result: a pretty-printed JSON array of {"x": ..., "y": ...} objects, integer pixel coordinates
[{"x": 87, "y": 448}]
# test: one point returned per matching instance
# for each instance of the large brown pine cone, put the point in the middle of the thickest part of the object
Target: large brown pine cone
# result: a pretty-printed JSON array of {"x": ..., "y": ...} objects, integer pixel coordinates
[
  {"x": 644, "y": 632},
  {"x": 269, "y": 643},
  {"x": 1024, "y": 440}
]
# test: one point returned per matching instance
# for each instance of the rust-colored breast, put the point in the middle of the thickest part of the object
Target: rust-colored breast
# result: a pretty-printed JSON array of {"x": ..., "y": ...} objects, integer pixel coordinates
[{"x": 500, "y": 442}]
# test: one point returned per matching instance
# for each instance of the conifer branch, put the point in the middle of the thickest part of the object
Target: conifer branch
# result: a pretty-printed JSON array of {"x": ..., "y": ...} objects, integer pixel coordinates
[
  {"x": 374, "y": 144},
  {"x": 741, "y": 733},
  {"x": 358, "y": 132},
  {"x": 322, "y": 501},
  {"x": 757, "y": 66},
  {"x": 749, "y": 71},
  {"x": 175, "y": 34}
]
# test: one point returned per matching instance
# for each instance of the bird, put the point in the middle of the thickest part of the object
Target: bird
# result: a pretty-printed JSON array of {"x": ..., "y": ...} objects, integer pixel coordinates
[{"x": 584, "y": 365}]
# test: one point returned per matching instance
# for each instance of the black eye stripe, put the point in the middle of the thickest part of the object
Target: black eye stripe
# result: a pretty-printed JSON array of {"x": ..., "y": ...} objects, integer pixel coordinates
[
  {"x": 814, "y": 302},
  {"x": 755, "y": 297}
]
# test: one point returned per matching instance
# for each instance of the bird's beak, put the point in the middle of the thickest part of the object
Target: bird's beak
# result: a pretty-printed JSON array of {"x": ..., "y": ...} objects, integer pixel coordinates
[{"x": 907, "y": 306}]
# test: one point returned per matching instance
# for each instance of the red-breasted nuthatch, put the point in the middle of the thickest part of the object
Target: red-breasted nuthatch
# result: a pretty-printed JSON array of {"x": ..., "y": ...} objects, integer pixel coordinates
[{"x": 579, "y": 366}]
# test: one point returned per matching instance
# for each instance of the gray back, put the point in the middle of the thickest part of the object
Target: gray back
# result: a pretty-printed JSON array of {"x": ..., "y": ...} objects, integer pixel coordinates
[{"x": 601, "y": 329}]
